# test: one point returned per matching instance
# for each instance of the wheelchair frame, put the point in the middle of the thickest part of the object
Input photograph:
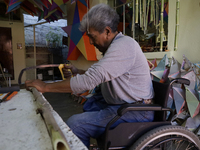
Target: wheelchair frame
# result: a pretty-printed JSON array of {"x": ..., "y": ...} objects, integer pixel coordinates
[{"x": 132, "y": 132}]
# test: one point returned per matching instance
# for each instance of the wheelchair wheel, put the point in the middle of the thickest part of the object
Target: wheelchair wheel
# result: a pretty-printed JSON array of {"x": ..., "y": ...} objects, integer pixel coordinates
[{"x": 167, "y": 138}]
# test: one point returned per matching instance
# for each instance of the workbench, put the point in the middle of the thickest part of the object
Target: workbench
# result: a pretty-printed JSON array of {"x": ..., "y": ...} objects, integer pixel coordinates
[{"x": 28, "y": 122}]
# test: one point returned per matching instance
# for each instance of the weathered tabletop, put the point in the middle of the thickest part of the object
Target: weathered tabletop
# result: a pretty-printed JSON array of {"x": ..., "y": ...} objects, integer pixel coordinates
[{"x": 21, "y": 128}]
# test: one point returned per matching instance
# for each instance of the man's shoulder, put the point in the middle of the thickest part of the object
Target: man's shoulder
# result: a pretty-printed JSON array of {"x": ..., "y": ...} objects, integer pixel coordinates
[{"x": 121, "y": 37}]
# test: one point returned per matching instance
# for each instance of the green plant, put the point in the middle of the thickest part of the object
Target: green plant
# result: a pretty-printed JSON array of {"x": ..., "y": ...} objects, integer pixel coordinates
[{"x": 53, "y": 37}]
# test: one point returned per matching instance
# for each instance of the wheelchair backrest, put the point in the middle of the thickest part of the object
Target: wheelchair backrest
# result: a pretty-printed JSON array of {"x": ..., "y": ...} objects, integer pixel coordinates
[{"x": 161, "y": 94}]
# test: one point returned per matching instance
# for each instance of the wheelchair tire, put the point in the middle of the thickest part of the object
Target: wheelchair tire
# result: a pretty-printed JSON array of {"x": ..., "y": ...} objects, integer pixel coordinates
[{"x": 167, "y": 138}]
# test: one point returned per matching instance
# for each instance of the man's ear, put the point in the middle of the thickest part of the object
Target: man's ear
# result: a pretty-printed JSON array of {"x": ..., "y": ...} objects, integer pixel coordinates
[{"x": 108, "y": 31}]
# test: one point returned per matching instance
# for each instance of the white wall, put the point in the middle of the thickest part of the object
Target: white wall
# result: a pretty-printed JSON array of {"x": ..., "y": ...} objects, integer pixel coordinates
[
  {"x": 188, "y": 38},
  {"x": 189, "y": 30}
]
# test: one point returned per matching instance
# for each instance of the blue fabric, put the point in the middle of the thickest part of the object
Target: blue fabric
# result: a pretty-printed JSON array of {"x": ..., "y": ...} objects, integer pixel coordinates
[{"x": 97, "y": 113}]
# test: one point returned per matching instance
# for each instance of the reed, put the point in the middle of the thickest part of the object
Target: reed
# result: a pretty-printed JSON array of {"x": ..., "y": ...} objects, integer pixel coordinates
[
  {"x": 147, "y": 16},
  {"x": 136, "y": 10},
  {"x": 177, "y": 25},
  {"x": 133, "y": 19},
  {"x": 161, "y": 25},
  {"x": 152, "y": 11},
  {"x": 141, "y": 18},
  {"x": 144, "y": 16}
]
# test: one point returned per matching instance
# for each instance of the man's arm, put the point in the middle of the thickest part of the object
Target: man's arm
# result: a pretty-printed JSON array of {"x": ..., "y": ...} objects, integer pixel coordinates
[
  {"x": 74, "y": 71},
  {"x": 56, "y": 87}
]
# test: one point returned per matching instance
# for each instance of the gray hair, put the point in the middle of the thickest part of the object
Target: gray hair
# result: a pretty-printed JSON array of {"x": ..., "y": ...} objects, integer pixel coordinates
[{"x": 98, "y": 17}]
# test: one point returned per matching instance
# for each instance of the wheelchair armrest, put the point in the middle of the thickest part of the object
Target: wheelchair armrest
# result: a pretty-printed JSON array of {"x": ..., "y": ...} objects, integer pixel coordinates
[
  {"x": 181, "y": 81},
  {"x": 138, "y": 107}
]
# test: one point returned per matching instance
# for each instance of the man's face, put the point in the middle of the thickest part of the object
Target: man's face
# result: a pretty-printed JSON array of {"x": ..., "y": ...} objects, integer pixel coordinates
[{"x": 98, "y": 40}]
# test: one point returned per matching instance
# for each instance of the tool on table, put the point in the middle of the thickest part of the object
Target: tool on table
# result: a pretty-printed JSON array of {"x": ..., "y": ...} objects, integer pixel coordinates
[
  {"x": 9, "y": 89},
  {"x": 8, "y": 96},
  {"x": 34, "y": 67},
  {"x": 40, "y": 66}
]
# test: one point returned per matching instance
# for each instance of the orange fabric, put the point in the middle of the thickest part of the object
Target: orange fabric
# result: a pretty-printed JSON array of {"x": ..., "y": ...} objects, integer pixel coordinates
[
  {"x": 162, "y": 81},
  {"x": 90, "y": 49},
  {"x": 83, "y": 96},
  {"x": 120, "y": 26},
  {"x": 167, "y": 7},
  {"x": 83, "y": 100},
  {"x": 74, "y": 54},
  {"x": 82, "y": 10}
]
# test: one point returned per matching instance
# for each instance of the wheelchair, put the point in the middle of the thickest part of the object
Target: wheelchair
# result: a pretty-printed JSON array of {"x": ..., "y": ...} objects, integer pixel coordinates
[{"x": 157, "y": 135}]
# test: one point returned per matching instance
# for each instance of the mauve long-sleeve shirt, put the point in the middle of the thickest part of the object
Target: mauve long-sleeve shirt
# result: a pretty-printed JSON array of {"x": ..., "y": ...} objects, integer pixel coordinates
[{"x": 123, "y": 73}]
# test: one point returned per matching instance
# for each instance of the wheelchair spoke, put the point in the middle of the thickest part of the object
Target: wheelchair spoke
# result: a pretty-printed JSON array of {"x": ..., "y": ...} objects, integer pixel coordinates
[
  {"x": 168, "y": 138},
  {"x": 174, "y": 143}
]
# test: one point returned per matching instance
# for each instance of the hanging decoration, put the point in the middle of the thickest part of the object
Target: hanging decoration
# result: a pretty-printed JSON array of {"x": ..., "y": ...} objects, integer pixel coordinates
[
  {"x": 151, "y": 19},
  {"x": 160, "y": 72},
  {"x": 184, "y": 98},
  {"x": 79, "y": 42},
  {"x": 50, "y": 10}
]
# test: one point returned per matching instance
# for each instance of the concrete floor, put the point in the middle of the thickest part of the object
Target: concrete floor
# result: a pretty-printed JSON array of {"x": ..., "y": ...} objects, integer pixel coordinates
[{"x": 63, "y": 104}]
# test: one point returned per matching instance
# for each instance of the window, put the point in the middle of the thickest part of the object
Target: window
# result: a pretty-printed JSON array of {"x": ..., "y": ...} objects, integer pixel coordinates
[{"x": 147, "y": 24}]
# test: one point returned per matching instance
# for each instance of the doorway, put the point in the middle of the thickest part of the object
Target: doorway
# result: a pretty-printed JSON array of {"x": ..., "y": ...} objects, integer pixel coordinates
[{"x": 6, "y": 52}]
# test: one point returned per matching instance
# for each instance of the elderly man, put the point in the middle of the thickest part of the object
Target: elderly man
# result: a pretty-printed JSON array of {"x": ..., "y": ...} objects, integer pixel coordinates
[{"x": 122, "y": 75}]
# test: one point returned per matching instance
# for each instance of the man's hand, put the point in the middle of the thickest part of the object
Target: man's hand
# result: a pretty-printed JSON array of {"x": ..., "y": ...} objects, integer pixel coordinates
[
  {"x": 38, "y": 84},
  {"x": 68, "y": 73}
]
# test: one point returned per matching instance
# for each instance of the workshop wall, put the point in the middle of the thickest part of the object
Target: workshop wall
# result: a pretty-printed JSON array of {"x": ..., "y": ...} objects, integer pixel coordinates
[
  {"x": 17, "y": 29},
  {"x": 188, "y": 38}
]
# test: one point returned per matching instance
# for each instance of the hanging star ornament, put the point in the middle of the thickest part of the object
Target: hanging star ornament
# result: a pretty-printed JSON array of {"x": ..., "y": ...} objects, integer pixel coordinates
[{"x": 79, "y": 41}]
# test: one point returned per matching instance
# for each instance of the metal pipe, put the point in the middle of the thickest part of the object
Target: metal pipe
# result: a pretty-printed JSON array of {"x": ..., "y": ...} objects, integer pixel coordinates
[{"x": 34, "y": 51}]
